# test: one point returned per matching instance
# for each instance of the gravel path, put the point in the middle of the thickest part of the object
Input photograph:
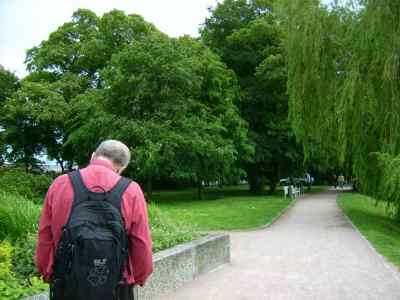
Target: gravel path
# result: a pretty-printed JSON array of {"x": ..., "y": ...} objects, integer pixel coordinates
[{"x": 312, "y": 252}]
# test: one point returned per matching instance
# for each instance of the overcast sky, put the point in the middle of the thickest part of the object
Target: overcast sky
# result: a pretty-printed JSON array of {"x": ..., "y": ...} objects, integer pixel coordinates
[{"x": 25, "y": 23}]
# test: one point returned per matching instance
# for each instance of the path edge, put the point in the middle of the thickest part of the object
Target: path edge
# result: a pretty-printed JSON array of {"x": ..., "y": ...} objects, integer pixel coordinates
[
  {"x": 270, "y": 223},
  {"x": 175, "y": 267},
  {"x": 386, "y": 263}
]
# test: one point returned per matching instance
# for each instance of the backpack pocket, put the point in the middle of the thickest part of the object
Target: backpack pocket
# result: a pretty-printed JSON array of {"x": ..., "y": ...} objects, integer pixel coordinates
[{"x": 96, "y": 269}]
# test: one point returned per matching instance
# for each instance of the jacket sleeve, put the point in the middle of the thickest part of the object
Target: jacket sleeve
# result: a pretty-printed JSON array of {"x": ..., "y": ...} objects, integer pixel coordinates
[
  {"x": 44, "y": 247},
  {"x": 140, "y": 250}
]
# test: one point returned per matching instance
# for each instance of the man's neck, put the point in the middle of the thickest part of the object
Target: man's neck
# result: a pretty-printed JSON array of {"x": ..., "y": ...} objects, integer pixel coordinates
[{"x": 115, "y": 169}]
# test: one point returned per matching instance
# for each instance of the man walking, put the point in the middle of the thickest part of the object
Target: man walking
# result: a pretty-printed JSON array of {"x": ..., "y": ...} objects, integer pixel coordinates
[
  {"x": 341, "y": 181},
  {"x": 94, "y": 239}
]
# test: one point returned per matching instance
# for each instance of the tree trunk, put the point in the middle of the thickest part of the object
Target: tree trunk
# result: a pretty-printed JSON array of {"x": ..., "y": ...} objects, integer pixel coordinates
[
  {"x": 274, "y": 178},
  {"x": 61, "y": 164},
  {"x": 272, "y": 186},
  {"x": 200, "y": 189},
  {"x": 255, "y": 180}
]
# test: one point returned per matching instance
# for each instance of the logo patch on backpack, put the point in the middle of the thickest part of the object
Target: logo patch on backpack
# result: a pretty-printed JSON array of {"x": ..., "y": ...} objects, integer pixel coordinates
[{"x": 99, "y": 274}]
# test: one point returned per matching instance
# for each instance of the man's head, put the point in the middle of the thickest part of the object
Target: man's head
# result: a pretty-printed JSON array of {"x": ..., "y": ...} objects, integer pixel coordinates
[{"x": 115, "y": 152}]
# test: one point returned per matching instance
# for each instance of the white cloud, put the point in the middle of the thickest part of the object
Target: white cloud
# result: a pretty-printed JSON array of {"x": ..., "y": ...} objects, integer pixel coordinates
[{"x": 25, "y": 23}]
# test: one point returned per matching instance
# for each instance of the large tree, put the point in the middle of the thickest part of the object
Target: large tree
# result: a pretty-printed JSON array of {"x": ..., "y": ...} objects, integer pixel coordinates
[
  {"x": 70, "y": 63},
  {"x": 248, "y": 37},
  {"x": 172, "y": 101}
]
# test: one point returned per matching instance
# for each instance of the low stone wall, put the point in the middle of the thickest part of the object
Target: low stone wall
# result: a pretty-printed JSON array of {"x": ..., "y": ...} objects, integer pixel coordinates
[{"x": 175, "y": 267}]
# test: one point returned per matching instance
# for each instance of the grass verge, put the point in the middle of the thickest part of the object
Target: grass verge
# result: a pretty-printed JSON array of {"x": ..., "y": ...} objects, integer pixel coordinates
[
  {"x": 371, "y": 219},
  {"x": 223, "y": 209}
]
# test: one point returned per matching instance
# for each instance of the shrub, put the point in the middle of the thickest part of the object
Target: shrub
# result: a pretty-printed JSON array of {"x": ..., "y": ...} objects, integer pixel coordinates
[
  {"x": 166, "y": 233},
  {"x": 6, "y": 251},
  {"x": 18, "y": 216},
  {"x": 31, "y": 186},
  {"x": 11, "y": 287},
  {"x": 24, "y": 251},
  {"x": 14, "y": 289}
]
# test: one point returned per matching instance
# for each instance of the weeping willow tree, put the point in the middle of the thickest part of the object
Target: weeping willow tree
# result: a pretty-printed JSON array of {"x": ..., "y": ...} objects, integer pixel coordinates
[{"x": 344, "y": 88}]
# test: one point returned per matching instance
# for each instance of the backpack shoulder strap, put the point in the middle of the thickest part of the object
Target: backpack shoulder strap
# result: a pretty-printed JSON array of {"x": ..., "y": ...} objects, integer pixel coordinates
[
  {"x": 117, "y": 191},
  {"x": 80, "y": 190}
]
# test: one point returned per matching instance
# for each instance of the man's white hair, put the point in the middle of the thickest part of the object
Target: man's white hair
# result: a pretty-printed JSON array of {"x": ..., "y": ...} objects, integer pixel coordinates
[{"x": 118, "y": 153}]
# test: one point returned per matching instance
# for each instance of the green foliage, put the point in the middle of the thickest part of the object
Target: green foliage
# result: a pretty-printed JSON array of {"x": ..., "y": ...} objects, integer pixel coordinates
[
  {"x": 23, "y": 265},
  {"x": 63, "y": 67},
  {"x": 12, "y": 287},
  {"x": 84, "y": 45},
  {"x": 172, "y": 102},
  {"x": 24, "y": 120},
  {"x": 343, "y": 76},
  {"x": 18, "y": 216},
  {"x": 389, "y": 183},
  {"x": 8, "y": 85},
  {"x": 27, "y": 185},
  {"x": 248, "y": 37},
  {"x": 19, "y": 219},
  {"x": 167, "y": 233},
  {"x": 228, "y": 17},
  {"x": 6, "y": 252}
]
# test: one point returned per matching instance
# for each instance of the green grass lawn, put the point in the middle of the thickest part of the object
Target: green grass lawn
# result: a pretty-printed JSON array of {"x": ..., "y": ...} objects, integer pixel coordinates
[
  {"x": 222, "y": 209},
  {"x": 372, "y": 220}
]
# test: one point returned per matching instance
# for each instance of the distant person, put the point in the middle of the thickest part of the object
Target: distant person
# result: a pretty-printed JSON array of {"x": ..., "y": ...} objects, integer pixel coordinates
[
  {"x": 94, "y": 239},
  {"x": 335, "y": 181},
  {"x": 341, "y": 181},
  {"x": 309, "y": 181}
]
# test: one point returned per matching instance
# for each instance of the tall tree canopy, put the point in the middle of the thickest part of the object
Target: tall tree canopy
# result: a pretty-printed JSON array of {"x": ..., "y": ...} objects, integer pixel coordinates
[
  {"x": 172, "y": 101},
  {"x": 248, "y": 37},
  {"x": 65, "y": 65}
]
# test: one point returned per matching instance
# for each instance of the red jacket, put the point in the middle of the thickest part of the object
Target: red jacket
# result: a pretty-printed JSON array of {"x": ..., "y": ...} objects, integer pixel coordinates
[{"x": 57, "y": 207}]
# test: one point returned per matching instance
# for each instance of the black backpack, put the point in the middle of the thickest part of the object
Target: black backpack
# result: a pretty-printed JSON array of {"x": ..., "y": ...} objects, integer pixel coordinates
[{"x": 93, "y": 248}]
